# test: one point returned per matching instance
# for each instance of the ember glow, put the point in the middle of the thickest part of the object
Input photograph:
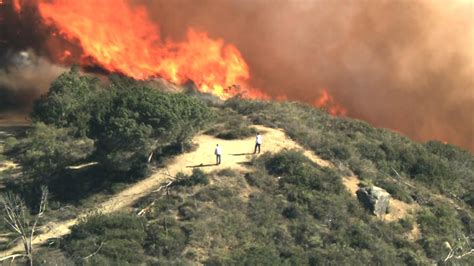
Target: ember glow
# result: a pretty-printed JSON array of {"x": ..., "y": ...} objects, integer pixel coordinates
[{"x": 123, "y": 39}]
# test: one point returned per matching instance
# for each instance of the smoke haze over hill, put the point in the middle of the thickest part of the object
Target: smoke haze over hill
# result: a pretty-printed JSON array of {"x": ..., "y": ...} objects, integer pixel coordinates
[{"x": 404, "y": 65}]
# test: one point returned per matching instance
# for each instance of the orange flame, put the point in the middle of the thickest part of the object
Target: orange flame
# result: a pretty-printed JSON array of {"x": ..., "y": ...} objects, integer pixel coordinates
[
  {"x": 123, "y": 39},
  {"x": 326, "y": 101},
  {"x": 17, "y": 5}
]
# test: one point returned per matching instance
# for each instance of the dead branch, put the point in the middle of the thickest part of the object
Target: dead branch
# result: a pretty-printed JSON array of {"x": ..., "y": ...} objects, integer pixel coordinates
[
  {"x": 147, "y": 208},
  {"x": 460, "y": 246},
  {"x": 13, "y": 241},
  {"x": 19, "y": 222},
  {"x": 165, "y": 187},
  {"x": 400, "y": 179},
  {"x": 13, "y": 257},
  {"x": 42, "y": 208},
  {"x": 95, "y": 252}
]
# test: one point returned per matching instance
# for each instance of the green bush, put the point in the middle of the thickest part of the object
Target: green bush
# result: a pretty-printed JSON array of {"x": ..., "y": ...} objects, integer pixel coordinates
[
  {"x": 294, "y": 168},
  {"x": 216, "y": 194},
  {"x": 228, "y": 172},
  {"x": 47, "y": 150},
  {"x": 165, "y": 238},
  {"x": 127, "y": 120},
  {"x": 70, "y": 102},
  {"x": 237, "y": 133},
  {"x": 115, "y": 238},
  {"x": 261, "y": 179},
  {"x": 198, "y": 177},
  {"x": 231, "y": 125},
  {"x": 439, "y": 224},
  {"x": 396, "y": 190}
]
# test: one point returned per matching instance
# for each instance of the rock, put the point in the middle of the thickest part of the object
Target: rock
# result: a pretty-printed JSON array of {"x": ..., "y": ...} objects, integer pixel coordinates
[{"x": 375, "y": 199}]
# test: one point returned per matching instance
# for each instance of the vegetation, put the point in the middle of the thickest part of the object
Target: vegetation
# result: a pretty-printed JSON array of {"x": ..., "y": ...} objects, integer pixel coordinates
[
  {"x": 47, "y": 150},
  {"x": 288, "y": 210},
  {"x": 371, "y": 153},
  {"x": 121, "y": 126},
  {"x": 21, "y": 224},
  {"x": 231, "y": 125},
  {"x": 106, "y": 239},
  {"x": 284, "y": 210}
]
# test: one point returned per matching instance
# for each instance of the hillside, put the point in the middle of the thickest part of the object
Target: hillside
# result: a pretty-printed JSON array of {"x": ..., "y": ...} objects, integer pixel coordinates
[{"x": 131, "y": 179}]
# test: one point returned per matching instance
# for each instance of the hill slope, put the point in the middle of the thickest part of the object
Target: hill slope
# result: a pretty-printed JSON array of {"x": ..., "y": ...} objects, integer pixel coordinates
[{"x": 293, "y": 204}]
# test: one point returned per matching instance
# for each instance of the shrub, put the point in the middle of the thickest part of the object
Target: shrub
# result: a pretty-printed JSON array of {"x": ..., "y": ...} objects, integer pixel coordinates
[
  {"x": 261, "y": 180},
  {"x": 439, "y": 224},
  {"x": 263, "y": 210},
  {"x": 256, "y": 255},
  {"x": 187, "y": 212},
  {"x": 215, "y": 193},
  {"x": 234, "y": 126},
  {"x": 291, "y": 212},
  {"x": 237, "y": 133},
  {"x": 296, "y": 169},
  {"x": 395, "y": 189},
  {"x": 165, "y": 238},
  {"x": 227, "y": 172},
  {"x": 47, "y": 150},
  {"x": 115, "y": 237},
  {"x": 198, "y": 177}
]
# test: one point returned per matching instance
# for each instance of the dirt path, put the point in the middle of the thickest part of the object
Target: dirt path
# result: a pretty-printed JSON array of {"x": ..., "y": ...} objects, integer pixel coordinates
[{"x": 235, "y": 154}]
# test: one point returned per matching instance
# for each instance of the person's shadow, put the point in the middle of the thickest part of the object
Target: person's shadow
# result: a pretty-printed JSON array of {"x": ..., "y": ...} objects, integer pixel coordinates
[
  {"x": 201, "y": 165},
  {"x": 242, "y": 154}
]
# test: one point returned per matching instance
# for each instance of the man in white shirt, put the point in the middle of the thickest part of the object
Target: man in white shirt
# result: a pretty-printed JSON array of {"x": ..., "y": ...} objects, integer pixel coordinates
[
  {"x": 218, "y": 153},
  {"x": 258, "y": 143}
]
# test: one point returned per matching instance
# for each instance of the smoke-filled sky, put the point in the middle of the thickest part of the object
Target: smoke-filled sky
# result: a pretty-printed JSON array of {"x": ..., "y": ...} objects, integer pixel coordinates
[{"x": 404, "y": 65}]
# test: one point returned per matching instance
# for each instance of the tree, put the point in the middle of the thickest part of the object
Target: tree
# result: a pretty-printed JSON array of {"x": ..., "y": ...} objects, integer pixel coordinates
[
  {"x": 137, "y": 120},
  {"x": 190, "y": 116},
  {"x": 47, "y": 150},
  {"x": 69, "y": 102},
  {"x": 21, "y": 223}
]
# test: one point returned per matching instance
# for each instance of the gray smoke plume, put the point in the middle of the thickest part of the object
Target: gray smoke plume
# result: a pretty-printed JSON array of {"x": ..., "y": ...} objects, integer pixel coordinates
[{"x": 24, "y": 77}]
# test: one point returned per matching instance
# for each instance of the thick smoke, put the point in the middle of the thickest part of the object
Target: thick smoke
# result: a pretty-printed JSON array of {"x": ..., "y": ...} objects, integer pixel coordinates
[
  {"x": 405, "y": 65},
  {"x": 25, "y": 78},
  {"x": 26, "y": 68}
]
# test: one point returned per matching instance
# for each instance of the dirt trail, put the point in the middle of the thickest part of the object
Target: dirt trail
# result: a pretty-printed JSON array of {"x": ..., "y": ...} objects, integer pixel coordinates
[{"x": 235, "y": 154}]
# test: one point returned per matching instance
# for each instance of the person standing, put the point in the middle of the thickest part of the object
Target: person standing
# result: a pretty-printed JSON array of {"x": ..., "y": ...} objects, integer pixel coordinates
[
  {"x": 258, "y": 142},
  {"x": 218, "y": 153}
]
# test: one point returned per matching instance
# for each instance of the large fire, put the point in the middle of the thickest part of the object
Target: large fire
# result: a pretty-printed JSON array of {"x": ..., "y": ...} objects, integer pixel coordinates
[{"x": 122, "y": 38}]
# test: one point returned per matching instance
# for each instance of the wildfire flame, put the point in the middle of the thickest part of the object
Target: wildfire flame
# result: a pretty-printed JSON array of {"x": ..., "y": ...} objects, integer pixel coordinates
[
  {"x": 123, "y": 39},
  {"x": 17, "y": 5},
  {"x": 326, "y": 101}
]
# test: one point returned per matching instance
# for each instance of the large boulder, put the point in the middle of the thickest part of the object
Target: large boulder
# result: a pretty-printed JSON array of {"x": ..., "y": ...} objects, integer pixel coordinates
[{"x": 375, "y": 199}]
